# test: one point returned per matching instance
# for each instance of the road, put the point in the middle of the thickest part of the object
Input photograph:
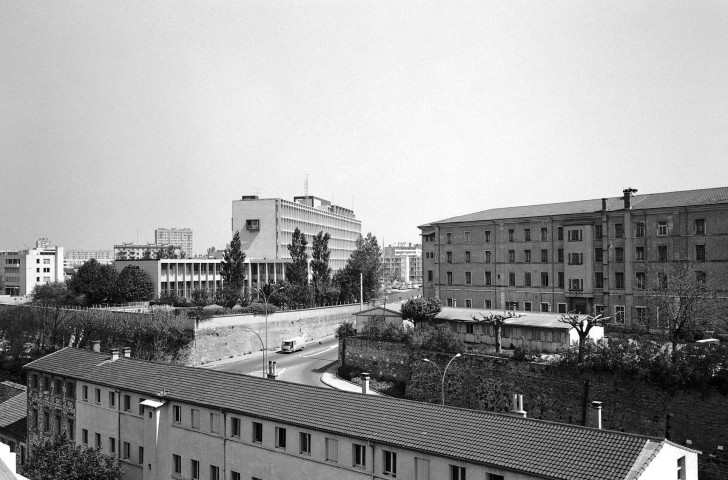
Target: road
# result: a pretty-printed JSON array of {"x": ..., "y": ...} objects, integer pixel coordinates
[{"x": 303, "y": 367}]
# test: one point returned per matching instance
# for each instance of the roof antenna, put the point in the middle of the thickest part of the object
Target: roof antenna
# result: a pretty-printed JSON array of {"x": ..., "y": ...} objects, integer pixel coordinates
[{"x": 305, "y": 187}]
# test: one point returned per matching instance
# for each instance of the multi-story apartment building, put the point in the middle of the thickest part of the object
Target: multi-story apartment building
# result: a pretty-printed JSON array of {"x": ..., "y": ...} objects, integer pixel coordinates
[
  {"x": 22, "y": 270},
  {"x": 266, "y": 226},
  {"x": 132, "y": 251},
  {"x": 168, "y": 421},
  {"x": 175, "y": 236},
  {"x": 403, "y": 262},
  {"x": 586, "y": 256},
  {"x": 75, "y": 258}
]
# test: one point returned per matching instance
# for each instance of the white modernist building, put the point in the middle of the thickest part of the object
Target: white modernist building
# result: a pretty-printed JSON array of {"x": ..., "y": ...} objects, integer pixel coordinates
[
  {"x": 266, "y": 226},
  {"x": 22, "y": 270}
]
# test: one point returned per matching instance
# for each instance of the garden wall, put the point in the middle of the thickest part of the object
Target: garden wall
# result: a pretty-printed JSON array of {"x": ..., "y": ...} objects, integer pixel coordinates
[{"x": 697, "y": 419}]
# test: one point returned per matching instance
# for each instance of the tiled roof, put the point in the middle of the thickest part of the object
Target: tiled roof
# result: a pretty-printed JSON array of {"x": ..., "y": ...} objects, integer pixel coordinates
[
  {"x": 707, "y": 196},
  {"x": 541, "y": 448},
  {"x": 526, "y": 319},
  {"x": 13, "y": 413}
]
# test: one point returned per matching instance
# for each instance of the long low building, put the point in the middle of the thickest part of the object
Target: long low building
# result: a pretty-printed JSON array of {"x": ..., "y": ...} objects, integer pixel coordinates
[{"x": 169, "y": 421}]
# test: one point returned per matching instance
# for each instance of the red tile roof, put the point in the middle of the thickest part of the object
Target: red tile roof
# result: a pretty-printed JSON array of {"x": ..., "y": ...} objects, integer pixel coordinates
[
  {"x": 707, "y": 196},
  {"x": 548, "y": 449}
]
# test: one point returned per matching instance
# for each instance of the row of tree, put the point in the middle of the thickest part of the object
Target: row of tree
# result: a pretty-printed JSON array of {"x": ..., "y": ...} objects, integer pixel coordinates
[{"x": 94, "y": 284}]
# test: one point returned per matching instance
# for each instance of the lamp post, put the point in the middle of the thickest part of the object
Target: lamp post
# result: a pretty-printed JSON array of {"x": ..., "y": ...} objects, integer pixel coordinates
[
  {"x": 266, "y": 291},
  {"x": 262, "y": 372},
  {"x": 442, "y": 388}
]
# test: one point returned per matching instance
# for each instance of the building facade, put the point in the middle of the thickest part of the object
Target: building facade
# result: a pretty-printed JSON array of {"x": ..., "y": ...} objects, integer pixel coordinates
[
  {"x": 76, "y": 258},
  {"x": 403, "y": 262},
  {"x": 175, "y": 236},
  {"x": 266, "y": 226},
  {"x": 133, "y": 251},
  {"x": 22, "y": 270},
  {"x": 587, "y": 256},
  {"x": 168, "y": 421}
]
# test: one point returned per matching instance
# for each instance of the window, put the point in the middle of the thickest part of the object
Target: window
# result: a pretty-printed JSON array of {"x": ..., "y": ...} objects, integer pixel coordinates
[
  {"x": 448, "y": 235},
  {"x": 468, "y": 303},
  {"x": 280, "y": 437},
  {"x": 487, "y": 236},
  {"x": 528, "y": 255},
  {"x": 662, "y": 280},
  {"x": 561, "y": 279},
  {"x": 619, "y": 230},
  {"x": 527, "y": 306},
  {"x": 195, "y": 414},
  {"x": 429, "y": 275},
  {"x": 511, "y": 256},
  {"x": 449, "y": 257},
  {"x": 598, "y": 255},
  {"x": 640, "y": 278},
  {"x": 234, "y": 475},
  {"x": 127, "y": 403},
  {"x": 467, "y": 237},
  {"x": 700, "y": 277},
  {"x": 304, "y": 442},
  {"x": 84, "y": 436},
  {"x": 141, "y": 407},
  {"x": 561, "y": 255},
  {"x": 527, "y": 234},
  {"x": 141, "y": 455},
  {"x": 487, "y": 256},
  {"x": 112, "y": 399},
  {"x": 422, "y": 469},
  {"x": 488, "y": 304},
  {"x": 576, "y": 258},
  {"x": 125, "y": 450},
  {"x": 488, "y": 279},
  {"x": 215, "y": 423},
  {"x": 512, "y": 279},
  {"x": 511, "y": 305},
  {"x": 253, "y": 224},
  {"x": 97, "y": 437},
  {"x": 599, "y": 309},
  {"x": 194, "y": 469},
  {"x": 641, "y": 314},
  {"x": 70, "y": 390},
  {"x": 544, "y": 234},
  {"x": 640, "y": 254},
  {"x": 619, "y": 314},
  {"x": 681, "y": 472},
  {"x": 662, "y": 228},
  {"x": 177, "y": 414},
  {"x": 112, "y": 445},
  {"x": 561, "y": 307},
  {"x": 662, "y": 253},
  {"x": 493, "y": 476},
  {"x": 598, "y": 280},
  {"x": 619, "y": 280},
  {"x": 214, "y": 472},
  {"x": 332, "y": 450},
  {"x": 449, "y": 278},
  {"x": 527, "y": 279},
  {"x": 257, "y": 431},
  {"x": 57, "y": 387},
  {"x": 46, "y": 384},
  {"x": 467, "y": 257},
  {"x": 511, "y": 235},
  {"x": 699, "y": 226},
  {"x": 619, "y": 255},
  {"x": 35, "y": 381},
  {"x": 597, "y": 231},
  {"x": 58, "y": 425},
  {"x": 70, "y": 429},
  {"x": 46, "y": 421},
  {"x": 177, "y": 461},
  {"x": 575, "y": 235},
  {"x": 389, "y": 466},
  {"x": 560, "y": 233},
  {"x": 457, "y": 473},
  {"x": 544, "y": 279},
  {"x": 98, "y": 395},
  {"x": 469, "y": 328},
  {"x": 639, "y": 229},
  {"x": 359, "y": 455},
  {"x": 576, "y": 284},
  {"x": 700, "y": 253},
  {"x": 468, "y": 278},
  {"x": 544, "y": 307}
]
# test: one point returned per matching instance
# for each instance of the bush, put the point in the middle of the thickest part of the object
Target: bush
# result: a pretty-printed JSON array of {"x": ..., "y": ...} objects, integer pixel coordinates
[
  {"x": 345, "y": 329},
  {"x": 439, "y": 339},
  {"x": 258, "y": 308},
  {"x": 524, "y": 354},
  {"x": 377, "y": 328}
]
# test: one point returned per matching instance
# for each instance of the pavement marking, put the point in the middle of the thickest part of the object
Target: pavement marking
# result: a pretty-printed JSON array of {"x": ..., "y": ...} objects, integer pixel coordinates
[{"x": 322, "y": 350}]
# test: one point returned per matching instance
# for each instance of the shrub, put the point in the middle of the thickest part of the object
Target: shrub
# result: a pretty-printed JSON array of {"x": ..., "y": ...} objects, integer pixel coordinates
[
  {"x": 440, "y": 338},
  {"x": 258, "y": 308},
  {"x": 345, "y": 329},
  {"x": 524, "y": 354},
  {"x": 377, "y": 328}
]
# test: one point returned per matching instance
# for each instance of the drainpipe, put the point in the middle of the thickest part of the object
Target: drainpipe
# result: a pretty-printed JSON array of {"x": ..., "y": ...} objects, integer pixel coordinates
[
  {"x": 596, "y": 405},
  {"x": 553, "y": 266}
]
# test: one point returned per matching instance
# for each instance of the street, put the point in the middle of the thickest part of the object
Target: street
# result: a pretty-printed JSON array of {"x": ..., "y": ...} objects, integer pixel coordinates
[{"x": 303, "y": 367}]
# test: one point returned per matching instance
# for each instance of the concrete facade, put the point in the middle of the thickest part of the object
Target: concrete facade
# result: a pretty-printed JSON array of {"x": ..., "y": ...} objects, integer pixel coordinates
[
  {"x": 403, "y": 262},
  {"x": 24, "y": 269},
  {"x": 266, "y": 226},
  {"x": 574, "y": 256},
  {"x": 175, "y": 236},
  {"x": 180, "y": 275},
  {"x": 76, "y": 258}
]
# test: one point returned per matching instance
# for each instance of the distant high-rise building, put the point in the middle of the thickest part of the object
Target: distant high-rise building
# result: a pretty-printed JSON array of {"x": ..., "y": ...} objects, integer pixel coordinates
[
  {"x": 24, "y": 269},
  {"x": 266, "y": 226},
  {"x": 75, "y": 258},
  {"x": 403, "y": 262},
  {"x": 175, "y": 236},
  {"x": 132, "y": 251}
]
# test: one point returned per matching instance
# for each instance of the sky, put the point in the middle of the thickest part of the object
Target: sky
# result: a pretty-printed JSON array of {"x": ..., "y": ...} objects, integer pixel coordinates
[{"x": 118, "y": 117}]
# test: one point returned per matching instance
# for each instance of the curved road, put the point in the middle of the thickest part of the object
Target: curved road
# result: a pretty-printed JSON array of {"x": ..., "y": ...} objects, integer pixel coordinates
[{"x": 303, "y": 367}]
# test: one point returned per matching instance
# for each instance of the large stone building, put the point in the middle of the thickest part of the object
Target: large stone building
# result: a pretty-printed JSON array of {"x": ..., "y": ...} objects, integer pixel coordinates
[
  {"x": 168, "y": 421},
  {"x": 175, "y": 236},
  {"x": 266, "y": 226},
  {"x": 22, "y": 270},
  {"x": 403, "y": 262},
  {"x": 586, "y": 256}
]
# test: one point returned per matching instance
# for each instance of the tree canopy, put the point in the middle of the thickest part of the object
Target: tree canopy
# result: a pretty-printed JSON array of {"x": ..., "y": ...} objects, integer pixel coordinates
[
  {"x": 297, "y": 270},
  {"x": 59, "y": 458},
  {"x": 582, "y": 326},
  {"x": 94, "y": 282},
  {"x": 366, "y": 260},
  {"x": 321, "y": 272},
  {"x": 233, "y": 266},
  {"x": 420, "y": 309},
  {"x": 134, "y": 284}
]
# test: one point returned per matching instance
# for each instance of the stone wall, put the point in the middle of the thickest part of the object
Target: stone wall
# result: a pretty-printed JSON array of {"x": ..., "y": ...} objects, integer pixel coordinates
[{"x": 697, "y": 419}]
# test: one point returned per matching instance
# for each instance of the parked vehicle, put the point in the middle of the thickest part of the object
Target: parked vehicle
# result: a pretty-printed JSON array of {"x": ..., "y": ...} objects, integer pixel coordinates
[{"x": 292, "y": 344}]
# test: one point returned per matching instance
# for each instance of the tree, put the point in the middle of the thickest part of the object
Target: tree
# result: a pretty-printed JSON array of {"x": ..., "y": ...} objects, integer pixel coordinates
[
  {"x": 201, "y": 297},
  {"x": 168, "y": 252},
  {"x": 321, "y": 272},
  {"x": 498, "y": 321},
  {"x": 147, "y": 255},
  {"x": 582, "y": 326},
  {"x": 93, "y": 281},
  {"x": 420, "y": 309},
  {"x": 233, "y": 266},
  {"x": 134, "y": 284},
  {"x": 59, "y": 458},
  {"x": 297, "y": 270},
  {"x": 681, "y": 296},
  {"x": 53, "y": 317},
  {"x": 365, "y": 267}
]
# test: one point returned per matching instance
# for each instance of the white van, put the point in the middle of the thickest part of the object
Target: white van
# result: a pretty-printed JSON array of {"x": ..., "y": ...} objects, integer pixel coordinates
[{"x": 292, "y": 344}]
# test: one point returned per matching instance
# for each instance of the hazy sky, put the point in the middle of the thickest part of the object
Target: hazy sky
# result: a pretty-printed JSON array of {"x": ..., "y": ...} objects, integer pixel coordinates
[{"x": 118, "y": 116}]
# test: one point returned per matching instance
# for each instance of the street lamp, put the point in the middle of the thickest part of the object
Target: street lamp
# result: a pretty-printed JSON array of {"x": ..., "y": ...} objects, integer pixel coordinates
[
  {"x": 266, "y": 291},
  {"x": 442, "y": 400},
  {"x": 262, "y": 372}
]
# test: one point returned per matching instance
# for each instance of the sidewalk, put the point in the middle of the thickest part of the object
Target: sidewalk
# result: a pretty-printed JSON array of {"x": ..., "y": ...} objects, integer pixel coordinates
[{"x": 333, "y": 381}]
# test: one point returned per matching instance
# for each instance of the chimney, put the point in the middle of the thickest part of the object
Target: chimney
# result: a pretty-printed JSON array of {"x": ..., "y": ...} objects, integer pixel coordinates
[
  {"x": 364, "y": 383},
  {"x": 126, "y": 352},
  {"x": 517, "y": 406},
  {"x": 272, "y": 373},
  {"x": 96, "y": 346},
  {"x": 114, "y": 354},
  {"x": 628, "y": 192},
  {"x": 604, "y": 204},
  {"x": 598, "y": 407}
]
